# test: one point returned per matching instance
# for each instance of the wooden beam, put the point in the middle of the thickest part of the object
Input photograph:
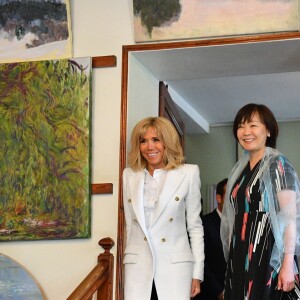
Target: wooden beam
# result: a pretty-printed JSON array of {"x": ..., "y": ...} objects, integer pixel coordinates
[
  {"x": 104, "y": 61},
  {"x": 102, "y": 188}
]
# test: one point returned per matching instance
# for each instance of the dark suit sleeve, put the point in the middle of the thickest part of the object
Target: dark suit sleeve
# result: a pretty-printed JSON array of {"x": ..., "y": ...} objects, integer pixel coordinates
[{"x": 211, "y": 286}]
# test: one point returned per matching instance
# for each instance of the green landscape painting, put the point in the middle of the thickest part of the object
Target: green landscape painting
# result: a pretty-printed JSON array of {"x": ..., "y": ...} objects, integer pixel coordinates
[{"x": 45, "y": 149}]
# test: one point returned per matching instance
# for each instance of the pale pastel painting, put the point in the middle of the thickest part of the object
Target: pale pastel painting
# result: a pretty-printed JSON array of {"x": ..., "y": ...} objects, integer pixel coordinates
[
  {"x": 189, "y": 19},
  {"x": 34, "y": 30},
  {"x": 45, "y": 149}
]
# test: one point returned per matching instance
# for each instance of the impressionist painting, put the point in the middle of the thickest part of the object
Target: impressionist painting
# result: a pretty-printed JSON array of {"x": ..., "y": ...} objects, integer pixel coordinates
[
  {"x": 45, "y": 149},
  {"x": 17, "y": 282},
  {"x": 34, "y": 30},
  {"x": 185, "y": 19}
]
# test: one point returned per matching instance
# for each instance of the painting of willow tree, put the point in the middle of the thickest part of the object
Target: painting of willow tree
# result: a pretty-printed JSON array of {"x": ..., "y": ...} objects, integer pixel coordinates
[
  {"x": 156, "y": 20},
  {"x": 45, "y": 149}
]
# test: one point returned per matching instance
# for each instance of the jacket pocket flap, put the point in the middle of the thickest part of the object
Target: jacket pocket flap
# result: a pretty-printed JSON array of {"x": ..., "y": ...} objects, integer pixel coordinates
[
  {"x": 181, "y": 257},
  {"x": 130, "y": 258},
  {"x": 132, "y": 250}
]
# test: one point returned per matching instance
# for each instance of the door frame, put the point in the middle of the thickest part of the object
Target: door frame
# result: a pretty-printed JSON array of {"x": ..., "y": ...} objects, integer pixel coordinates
[
  {"x": 168, "y": 109},
  {"x": 126, "y": 50}
]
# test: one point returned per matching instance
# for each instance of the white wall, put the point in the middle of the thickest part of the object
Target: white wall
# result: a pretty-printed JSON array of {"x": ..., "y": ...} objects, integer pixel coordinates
[
  {"x": 214, "y": 153},
  {"x": 143, "y": 94},
  {"x": 100, "y": 27}
]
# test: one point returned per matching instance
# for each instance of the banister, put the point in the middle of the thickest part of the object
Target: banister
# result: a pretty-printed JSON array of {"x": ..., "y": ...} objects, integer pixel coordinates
[{"x": 100, "y": 279}]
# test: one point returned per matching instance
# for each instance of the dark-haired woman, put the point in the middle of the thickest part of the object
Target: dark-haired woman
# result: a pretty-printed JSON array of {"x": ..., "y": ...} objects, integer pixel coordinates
[{"x": 260, "y": 219}]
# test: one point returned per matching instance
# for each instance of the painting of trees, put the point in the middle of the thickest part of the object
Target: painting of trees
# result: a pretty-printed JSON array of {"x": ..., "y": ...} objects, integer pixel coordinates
[
  {"x": 156, "y": 20},
  {"x": 45, "y": 149},
  {"x": 35, "y": 30},
  {"x": 156, "y": 13}
]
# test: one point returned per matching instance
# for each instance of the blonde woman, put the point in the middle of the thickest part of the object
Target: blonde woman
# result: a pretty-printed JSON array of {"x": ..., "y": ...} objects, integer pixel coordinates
[{"x": 164, "y": 254}]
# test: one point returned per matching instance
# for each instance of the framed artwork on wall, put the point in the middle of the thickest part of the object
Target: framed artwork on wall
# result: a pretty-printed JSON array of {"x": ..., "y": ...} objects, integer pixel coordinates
[
  {"x": 17, "y": 282},
  {"x": 45, "y": 149},
  {"x": 35, "y": 30},
  {"x": 190, "y": 19}
]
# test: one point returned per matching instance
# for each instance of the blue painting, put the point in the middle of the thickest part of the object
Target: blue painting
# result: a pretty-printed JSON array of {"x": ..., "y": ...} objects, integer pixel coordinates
[{"x": 16, "y": 283}]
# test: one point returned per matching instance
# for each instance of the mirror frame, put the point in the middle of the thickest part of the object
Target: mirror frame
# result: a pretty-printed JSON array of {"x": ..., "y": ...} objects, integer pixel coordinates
[{"x": 126, "y": 50}]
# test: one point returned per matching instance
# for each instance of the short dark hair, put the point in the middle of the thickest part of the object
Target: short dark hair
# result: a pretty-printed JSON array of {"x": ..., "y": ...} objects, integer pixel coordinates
[
  {"x": 220, "y": 187},
  {"x": 266, "y": 117}
]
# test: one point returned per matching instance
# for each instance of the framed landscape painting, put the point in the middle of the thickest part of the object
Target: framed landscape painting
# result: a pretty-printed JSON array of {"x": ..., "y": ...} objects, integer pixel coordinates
[
  {"x": 35, "y": 30},
  {"x": 189, "y": 19},
  {"x": 45, "y": 149}
]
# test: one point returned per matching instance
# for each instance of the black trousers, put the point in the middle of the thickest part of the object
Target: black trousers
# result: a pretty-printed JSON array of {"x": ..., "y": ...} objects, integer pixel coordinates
[{"x": 153, "y": 292}]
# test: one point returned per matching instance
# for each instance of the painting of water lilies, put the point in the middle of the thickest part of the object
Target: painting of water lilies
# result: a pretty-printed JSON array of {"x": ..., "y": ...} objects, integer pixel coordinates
[
  {"x": 189, "y": 19},
  {"x": 34, "y": 30},
  {"x": 45, "y": 149}
]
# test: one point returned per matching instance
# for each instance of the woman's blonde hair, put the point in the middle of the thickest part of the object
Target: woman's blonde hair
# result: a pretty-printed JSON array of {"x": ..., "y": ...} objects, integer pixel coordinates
[{"x": 168, "y": 136}]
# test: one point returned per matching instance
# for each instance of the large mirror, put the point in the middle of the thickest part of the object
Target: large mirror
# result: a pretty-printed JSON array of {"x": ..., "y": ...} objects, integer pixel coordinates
[{"x": 209, "y": 81}]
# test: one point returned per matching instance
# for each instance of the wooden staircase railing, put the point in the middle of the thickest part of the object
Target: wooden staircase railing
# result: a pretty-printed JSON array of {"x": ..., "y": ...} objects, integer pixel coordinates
[{"x": 100, "y": 279}]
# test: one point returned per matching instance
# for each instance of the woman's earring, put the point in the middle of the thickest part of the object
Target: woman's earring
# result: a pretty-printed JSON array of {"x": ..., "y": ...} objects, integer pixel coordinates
[{"x": 268, "y": 134}]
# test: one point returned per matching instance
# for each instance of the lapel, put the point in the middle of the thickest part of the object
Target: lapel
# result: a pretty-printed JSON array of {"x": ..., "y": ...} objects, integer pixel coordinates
[
  {"x": 136, "y": 184},
  {"x": 171, "y": 184}
]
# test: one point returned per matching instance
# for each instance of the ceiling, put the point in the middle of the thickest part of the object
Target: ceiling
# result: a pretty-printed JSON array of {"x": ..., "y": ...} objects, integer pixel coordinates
[{"x": 210, "y": 83}]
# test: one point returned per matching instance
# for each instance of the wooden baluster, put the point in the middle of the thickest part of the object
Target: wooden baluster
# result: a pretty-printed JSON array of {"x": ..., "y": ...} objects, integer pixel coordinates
[{"x": 105, "y": 292}]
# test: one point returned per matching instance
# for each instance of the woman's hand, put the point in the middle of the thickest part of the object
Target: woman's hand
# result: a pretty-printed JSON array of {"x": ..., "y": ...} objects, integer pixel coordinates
[
  {"x": 286, "y": 277},
  {"x": 196, "y": 287},
  {"x": 221, "y": 296},
  {"x": 287, "y": 204}
]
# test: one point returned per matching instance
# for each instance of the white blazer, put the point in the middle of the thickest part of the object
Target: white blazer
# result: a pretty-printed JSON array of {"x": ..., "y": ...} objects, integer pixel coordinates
[{"x": 171, "y": 250}]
